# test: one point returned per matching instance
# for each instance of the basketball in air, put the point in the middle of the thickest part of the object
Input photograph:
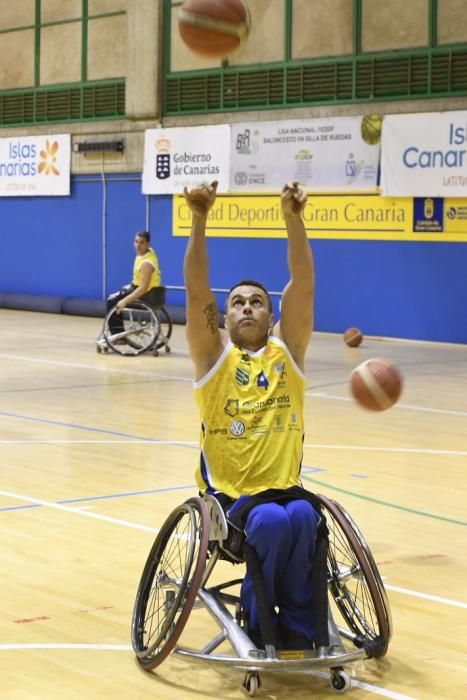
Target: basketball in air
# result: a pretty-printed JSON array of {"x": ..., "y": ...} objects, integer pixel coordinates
[
  {"x": 371, "y": 129},
  {"x": 214, "y": 28},
  {"x": 353, "y": 337},
  {"x": 376, "y": 384}
]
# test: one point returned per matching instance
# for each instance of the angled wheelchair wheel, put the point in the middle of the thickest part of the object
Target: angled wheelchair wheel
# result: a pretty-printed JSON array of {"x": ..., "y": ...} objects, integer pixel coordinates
[
  {"x": 138, "y": 329},
  {"x": 165, "y": 323},
  {"x": 354, "y": 582},
  {"x": 170, "y": 582}
]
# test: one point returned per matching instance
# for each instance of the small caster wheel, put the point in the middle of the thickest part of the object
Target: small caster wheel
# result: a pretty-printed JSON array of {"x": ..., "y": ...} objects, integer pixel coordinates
[
  {"x": 251, "y": 683},
  {"x": 167, "y": 348},
  {"x": 155, "y": 353},
  {"x": 340, "y": 680},
  {"x": 98, "y": 349},
  {"x": 106, "y": 349}
]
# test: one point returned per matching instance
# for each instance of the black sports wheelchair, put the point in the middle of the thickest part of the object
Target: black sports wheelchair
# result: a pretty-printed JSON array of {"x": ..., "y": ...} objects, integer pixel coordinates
[
  {"x": 353, "y": 623},
  {"x": 143, "y": 325}
]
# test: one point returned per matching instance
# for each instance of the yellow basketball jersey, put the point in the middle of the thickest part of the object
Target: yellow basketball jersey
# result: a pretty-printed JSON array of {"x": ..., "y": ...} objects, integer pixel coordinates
[
  {"x": 251, "y": 407},
  {"x": 150, "y": 257}
]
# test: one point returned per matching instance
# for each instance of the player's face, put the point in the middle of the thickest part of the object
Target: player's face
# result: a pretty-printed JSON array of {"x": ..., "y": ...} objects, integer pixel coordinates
[
  {"x": 141, "y": 245},
  {"x": 248, "y": 318}
]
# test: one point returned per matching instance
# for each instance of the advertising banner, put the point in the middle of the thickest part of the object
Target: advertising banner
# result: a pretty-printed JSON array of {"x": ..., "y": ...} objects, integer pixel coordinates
[
  {"x": 344, "y": 217},
  {"x": 35, "y": 165},
  {"x": 337, "y": 154},
  {"x": 424, "y": 155},
  {"x": 185, "y": 157}
]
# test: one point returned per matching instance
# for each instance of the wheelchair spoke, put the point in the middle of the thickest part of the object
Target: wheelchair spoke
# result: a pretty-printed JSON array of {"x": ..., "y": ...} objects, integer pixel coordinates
[{"x": 170, "y": 582}]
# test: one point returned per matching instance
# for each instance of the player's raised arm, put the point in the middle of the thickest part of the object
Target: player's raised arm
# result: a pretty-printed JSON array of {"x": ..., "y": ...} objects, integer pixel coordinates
[
  {"x": 296, "y": 320},
  {"x": 202, "y": 321}
]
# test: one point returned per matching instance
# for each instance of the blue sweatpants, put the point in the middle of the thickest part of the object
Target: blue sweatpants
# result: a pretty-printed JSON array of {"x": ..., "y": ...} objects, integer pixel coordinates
[{"x": 284, "y": 538}]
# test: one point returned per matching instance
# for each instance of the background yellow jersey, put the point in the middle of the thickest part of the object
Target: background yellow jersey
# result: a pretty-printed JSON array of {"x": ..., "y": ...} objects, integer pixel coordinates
[
  {"x": 251, "y": 407},
  {"x": 150, "y": 257}
]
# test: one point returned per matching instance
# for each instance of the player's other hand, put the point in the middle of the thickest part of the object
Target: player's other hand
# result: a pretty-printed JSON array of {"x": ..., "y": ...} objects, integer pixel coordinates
[
  {"x": 293, "y": 199},
  {"x": 201, "y": 198}
]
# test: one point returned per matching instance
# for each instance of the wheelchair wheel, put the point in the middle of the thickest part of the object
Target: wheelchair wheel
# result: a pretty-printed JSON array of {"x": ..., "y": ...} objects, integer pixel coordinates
[
  {"x": 170, "y": 582},
  {"x": 165, "y": 323},
  {"x": 138, "y": 329},
  {"x": 355, "y": 583}
]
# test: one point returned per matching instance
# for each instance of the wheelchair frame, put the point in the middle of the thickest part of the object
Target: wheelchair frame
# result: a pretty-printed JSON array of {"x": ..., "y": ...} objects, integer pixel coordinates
[
  {"x": 145, "y": 328},
  {"x": 175, "y": 577}
]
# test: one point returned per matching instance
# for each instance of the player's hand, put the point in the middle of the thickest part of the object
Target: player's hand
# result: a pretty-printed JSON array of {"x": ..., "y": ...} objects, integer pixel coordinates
[
  {"x": 293, "y": 199},
  {"x": 121, "y": 304},
  {"x": 201, "y": 198}
]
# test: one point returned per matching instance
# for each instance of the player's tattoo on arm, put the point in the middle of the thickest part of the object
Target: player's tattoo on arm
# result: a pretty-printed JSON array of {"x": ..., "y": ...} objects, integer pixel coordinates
[{"x": 211, "y": 316}]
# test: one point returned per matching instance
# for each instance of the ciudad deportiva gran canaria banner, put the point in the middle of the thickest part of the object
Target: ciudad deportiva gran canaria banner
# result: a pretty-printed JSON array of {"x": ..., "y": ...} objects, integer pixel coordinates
[
  {"x": 351, "y": 217},
  {"x": 35, "y": 165}
]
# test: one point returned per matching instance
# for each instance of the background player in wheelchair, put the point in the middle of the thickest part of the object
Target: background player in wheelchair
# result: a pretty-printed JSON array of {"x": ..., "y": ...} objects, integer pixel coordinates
[{"x": 146, "y": 320}]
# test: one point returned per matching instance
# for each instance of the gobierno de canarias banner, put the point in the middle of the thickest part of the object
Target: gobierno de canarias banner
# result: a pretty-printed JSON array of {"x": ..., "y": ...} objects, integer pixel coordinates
[
  {"x": 332, "y": 154},
  {"x": 181, "y": 157},
  {"x": 35, "y": 165},
  {"x": 424, "y": 155},
  {"x": 347, "y": 217}
]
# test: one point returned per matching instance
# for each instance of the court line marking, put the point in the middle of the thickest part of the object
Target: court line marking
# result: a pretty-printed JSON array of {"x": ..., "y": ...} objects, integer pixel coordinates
[
  {"x": 170, "y": 377},
  {"x": 78, "y": 365},
  {"x": 407, "y": 406},
  {"x": 62, "y": 424},
  {"x": 125, "y": 523},
  {"x": 193, "y": 443},
  {"x": 355, "y": 683},
  {"x": 123, "y": 647},
  {"x": 94, "y": 647},
  {"x": 75, "y": 511},
  {"x": 375, "y": 448},
  {"x": 105, "y": 497},
  {"x": 427, "y": 596},
  {"x": 137, "y": 441},
  {"x": 396, "y": 506}
]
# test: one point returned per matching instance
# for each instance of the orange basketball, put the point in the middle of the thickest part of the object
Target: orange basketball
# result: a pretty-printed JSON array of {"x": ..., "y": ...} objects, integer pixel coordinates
[
  {"x": 214, "y": 28},
  {"x": 353, "y": 337},
  {"x": 376, "y": 384}
]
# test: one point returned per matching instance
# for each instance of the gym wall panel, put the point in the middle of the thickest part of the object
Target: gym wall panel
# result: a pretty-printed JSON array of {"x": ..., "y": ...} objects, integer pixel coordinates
[
  {"x": 321, "y": 29},
  {"x": 17, "y": 14},
  {"x": 394, "y": 24},
  {"x": 53, "y": 246},
  {"x": 17, "y": 59},
  {"x": 107, "y": 47},
  {"x": 61, "y": 53},
  {"x": 452, "y": 21},
  {"x": 56, "y": 10}
]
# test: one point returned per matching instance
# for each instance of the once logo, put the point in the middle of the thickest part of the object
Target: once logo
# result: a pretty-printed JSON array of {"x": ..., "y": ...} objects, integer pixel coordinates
[{"x": 237, "y": 428}]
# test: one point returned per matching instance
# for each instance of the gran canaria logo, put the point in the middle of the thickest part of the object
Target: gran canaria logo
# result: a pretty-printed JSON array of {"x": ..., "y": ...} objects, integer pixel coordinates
[{"x": 49, "y": 158}]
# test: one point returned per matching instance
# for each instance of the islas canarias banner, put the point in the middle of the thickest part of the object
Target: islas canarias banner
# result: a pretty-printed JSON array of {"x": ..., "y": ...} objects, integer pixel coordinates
[
  {"x": 35, "y": 165},
  {"x": 424, "y": 155}
]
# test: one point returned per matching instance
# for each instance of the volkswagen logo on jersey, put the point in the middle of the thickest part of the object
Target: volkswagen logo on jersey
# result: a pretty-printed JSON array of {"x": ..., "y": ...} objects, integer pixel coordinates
[{"x": 237, "y": 428}]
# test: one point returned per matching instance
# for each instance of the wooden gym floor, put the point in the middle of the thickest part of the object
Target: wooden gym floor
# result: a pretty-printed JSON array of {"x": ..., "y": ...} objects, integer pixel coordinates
[{"x": 97, "y": 449}]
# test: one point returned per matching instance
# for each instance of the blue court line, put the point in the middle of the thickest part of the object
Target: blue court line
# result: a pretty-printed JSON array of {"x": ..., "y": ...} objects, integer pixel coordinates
[
  {"x": 101, "y": 498},
  {"x": 86, "y": 427}
]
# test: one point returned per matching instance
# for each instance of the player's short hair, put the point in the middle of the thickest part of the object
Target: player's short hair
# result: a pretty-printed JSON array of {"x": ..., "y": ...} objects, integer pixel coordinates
[
  {"x": 143, "y": 234},
  {"x": 249, "y": 283}
]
